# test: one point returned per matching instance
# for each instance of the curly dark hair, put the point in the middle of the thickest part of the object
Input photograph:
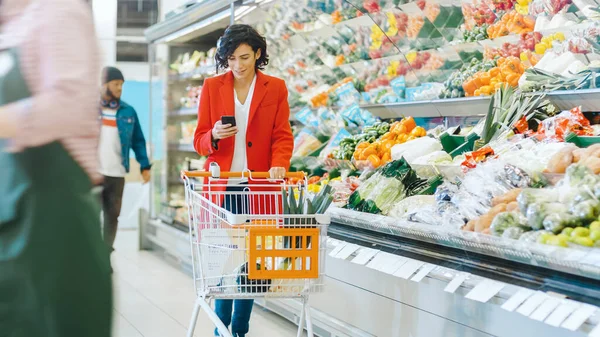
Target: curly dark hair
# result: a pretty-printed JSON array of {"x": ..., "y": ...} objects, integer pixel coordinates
[{"x": 236, "y": 35}]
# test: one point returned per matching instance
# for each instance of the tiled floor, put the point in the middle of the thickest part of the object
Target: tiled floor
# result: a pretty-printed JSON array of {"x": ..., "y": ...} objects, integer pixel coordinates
[{"x": 154, "y": 299}]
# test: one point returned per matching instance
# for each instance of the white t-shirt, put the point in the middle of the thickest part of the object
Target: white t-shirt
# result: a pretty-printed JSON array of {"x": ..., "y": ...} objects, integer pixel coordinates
[
  {"x": 109, "y": 152},
  {"x": 239, "y": 162}
]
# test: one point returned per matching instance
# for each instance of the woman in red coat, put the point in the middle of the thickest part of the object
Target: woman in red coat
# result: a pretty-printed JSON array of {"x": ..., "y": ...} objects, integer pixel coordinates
[{"x": 261, "y": 139}]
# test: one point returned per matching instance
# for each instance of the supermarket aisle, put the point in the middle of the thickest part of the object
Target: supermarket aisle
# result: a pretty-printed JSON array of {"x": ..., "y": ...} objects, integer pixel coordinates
[{"x": 154, "y": 299}]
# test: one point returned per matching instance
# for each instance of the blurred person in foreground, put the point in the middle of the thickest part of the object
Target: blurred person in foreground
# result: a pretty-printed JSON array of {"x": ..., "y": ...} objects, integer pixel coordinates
[
  {"x": 261, "y": 140},
  {"x": 121, "y": 132},
  {"x": 54, "y": 267}
]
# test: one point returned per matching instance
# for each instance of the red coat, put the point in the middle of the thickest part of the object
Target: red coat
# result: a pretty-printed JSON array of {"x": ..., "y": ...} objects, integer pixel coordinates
[{"x": 269, "y": 137}]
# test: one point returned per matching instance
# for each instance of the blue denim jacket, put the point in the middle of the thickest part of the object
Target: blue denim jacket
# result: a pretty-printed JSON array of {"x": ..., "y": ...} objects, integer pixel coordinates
[{"x": 132, "y": 137}]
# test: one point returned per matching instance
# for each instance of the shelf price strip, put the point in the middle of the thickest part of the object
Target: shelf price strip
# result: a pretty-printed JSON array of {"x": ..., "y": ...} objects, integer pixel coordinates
[
  {"x": 425, "y": 270},
  {"x": 545, "y": 309},
  {"x": 517, "y": 299},
  {"x": 485, "y": 290},
  {"x": 456, "y": 282},
  {"x": 408, "y": 269},
  {"x": 561, "y": 313},
  {"x": 364, "y": 256},
  {"x": 578, "y": 317},
  {"x": 532, "y": 303}
]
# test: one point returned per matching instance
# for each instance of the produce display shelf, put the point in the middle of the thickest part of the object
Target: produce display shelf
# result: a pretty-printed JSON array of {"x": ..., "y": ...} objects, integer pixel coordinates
[
  {"x": 588, "y": 99},
  {"x": 196, "y": 20},
  {"x": 181, "y": 147},
  {"x": 579, "y": 288},
  {"x": 198, "y": 74},
  {"x": 185, "y": 112},
  {"x": 574, "y": 261}
]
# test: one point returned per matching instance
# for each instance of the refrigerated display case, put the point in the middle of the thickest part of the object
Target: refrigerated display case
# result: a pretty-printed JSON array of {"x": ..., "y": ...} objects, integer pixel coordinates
[{"x": 433, "y": 60}]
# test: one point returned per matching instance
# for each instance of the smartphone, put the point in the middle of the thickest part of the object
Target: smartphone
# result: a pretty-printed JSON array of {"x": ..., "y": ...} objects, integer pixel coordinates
[{"x": 228, "y": 120}]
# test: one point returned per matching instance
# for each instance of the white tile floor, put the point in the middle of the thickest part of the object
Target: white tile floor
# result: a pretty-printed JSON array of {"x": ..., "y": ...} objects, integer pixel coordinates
[{"x": 154, "y": 299}]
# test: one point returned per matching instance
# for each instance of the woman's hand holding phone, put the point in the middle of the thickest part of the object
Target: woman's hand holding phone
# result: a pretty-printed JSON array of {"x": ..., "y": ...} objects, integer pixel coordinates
[{"x": 222, "y": 131}]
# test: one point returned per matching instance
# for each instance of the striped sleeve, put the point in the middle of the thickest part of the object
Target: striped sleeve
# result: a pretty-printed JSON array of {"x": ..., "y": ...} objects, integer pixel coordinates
[{"x": 59, "y": 58}]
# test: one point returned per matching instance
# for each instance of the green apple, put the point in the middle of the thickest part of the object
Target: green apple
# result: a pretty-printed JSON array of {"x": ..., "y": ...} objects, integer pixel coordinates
[
  {"x": 595, "y": 225},
  {"x": 580, "y": 232}
]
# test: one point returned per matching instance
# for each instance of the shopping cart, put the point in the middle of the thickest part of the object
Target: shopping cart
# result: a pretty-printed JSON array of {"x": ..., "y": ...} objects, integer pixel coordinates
[{"x": 244, "y": 247}]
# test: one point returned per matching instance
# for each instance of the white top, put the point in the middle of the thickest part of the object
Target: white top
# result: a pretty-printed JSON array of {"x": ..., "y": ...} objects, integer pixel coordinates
[
  {"x": 239, "y": 162},
  {"x": 109, "y": 152}
]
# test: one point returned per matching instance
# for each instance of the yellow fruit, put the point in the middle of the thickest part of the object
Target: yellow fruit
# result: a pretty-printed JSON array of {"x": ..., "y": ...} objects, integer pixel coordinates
[
  {"x": 584, "y": 241},
  {"x": 595, "y": 226},
  {"x": 540, "y": 49},
  {"x": 580, "y": 232},
  {"x": 595, "y": 235},
  {"x": 523, "y": 57},
  {"x": 559, "y": 36}
]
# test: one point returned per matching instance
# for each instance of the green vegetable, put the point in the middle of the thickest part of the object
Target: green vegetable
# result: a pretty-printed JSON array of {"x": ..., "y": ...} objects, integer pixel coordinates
[
  {"x": 533, "y": 236},
  {"x": 586, "y": 210},
  {"x": 537, "y": 212},
  {"x": 387, "y": 186},
  {"x": 531, "y": 195},
  {"x": 506, "y": 220},
  {"x": 556, "y": 222},
  {"x": 513, "y": 233}
]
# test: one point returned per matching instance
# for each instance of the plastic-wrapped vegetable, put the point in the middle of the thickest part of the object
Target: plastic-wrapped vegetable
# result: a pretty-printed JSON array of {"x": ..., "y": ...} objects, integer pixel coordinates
[
  {"x": 506, "y": 220},
  {"x": 532, "y": 236},
  {"x": 587, "y": 210},
  {"x": 536, "y": 213},
  {"x": 556, "y": 222},
  {"x": 531, "y": 195},
  {"x": 513, "y": 233}
]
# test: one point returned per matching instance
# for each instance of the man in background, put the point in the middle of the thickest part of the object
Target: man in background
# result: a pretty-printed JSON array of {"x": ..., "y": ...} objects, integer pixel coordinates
[{"x": 120, "y": 133}]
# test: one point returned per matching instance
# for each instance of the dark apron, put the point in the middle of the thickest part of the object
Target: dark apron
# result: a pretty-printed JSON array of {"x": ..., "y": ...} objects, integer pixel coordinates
[{"x": 54, "y": 269}]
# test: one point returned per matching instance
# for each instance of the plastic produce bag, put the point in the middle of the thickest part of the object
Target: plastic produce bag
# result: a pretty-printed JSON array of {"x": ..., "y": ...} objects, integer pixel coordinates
[{"x": 415, "y": 148}]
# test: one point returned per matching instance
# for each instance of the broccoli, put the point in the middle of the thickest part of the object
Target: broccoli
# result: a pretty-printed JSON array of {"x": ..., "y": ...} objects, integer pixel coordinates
[{"x": 506, "y": 220}]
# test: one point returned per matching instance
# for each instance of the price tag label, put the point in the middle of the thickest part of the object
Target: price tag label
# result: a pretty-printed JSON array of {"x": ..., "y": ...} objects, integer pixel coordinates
[
  {"x": 545, "y": 309},
  {"x": 578, "y": 317},
  {"x": 364, "y": 256},
  {"x": 517, "y": 299},
  {"x": 409, "y": 268},
  {"x": 393, "y": 264},
  {"x": 377, "y": 260},
  {"x": 425, "y": 270},
  {"x": 595, "y": 332},
  {"x": 456, "y": 282},
  {"x": 561, "y": 313},
  {"x": 532, "y": 303},
  {"x": 485, "y": 290},
  {"x": 348, "y": 250},
  {"x": 337, "y": 249}
]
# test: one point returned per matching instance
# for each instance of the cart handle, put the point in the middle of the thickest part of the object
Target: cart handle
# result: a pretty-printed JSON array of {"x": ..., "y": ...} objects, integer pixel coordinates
[{"x": 246, "y": 174}]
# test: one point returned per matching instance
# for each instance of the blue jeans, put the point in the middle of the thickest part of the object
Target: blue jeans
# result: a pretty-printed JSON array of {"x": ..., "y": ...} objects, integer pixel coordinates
[
  {"x": 235, "y": 312},
  {"x": 240, "y": 322}
]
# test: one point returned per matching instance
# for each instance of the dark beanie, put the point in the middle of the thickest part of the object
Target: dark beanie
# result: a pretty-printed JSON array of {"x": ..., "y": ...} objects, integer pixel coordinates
[{"x": 111, "y": 74}]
